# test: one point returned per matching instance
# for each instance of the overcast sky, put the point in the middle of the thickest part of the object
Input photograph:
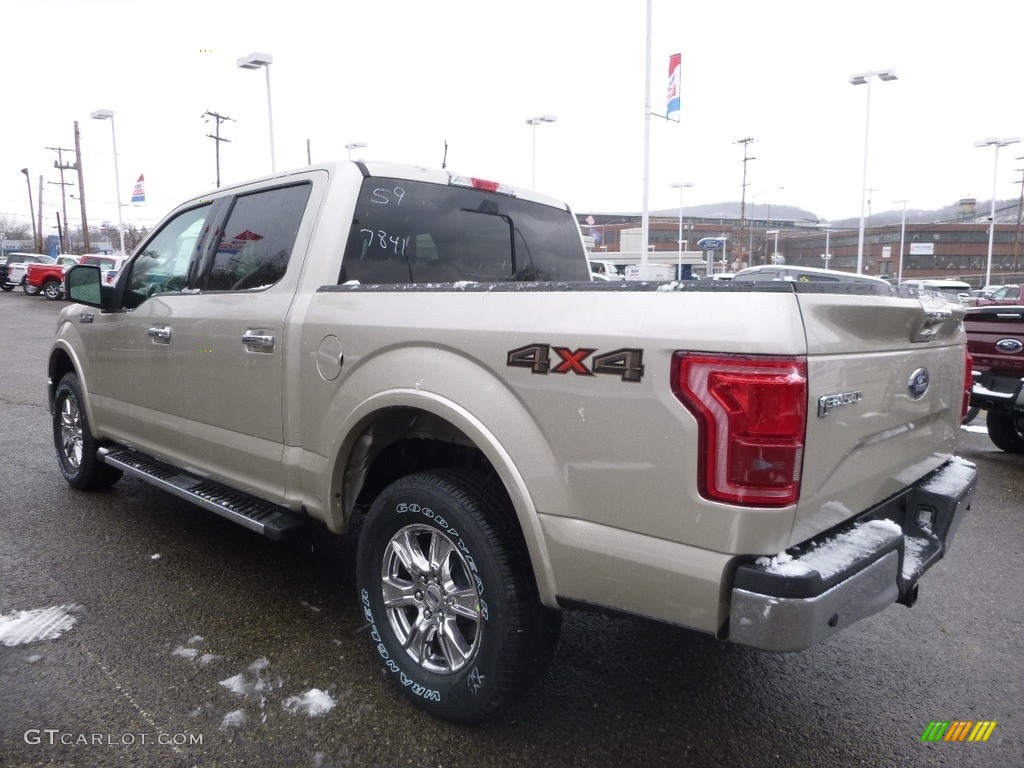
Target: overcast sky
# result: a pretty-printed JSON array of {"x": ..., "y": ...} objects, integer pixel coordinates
[{"x": 405, "y": 76}]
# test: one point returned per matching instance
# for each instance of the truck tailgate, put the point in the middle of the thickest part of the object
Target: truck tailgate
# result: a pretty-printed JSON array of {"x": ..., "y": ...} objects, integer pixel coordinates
[{"x": 885, "y": 390}]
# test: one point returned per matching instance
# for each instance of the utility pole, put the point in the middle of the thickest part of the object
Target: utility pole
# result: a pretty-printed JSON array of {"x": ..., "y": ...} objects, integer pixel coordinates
[
  {"x": 217, "y": 138},
  {"x": 81, "y": 189},
  {"x": 743, "y": 197},
  {"x": 60, "y": 165}
]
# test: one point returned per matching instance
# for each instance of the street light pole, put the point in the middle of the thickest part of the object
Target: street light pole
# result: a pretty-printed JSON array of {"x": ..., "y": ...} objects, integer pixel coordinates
[
  {"x": 32, "y": 212},
  {"x": 535, "y": 121},
  {"x": 865, "y": 78},
  {"x": 753, "y": 197},
  {"x": 997, "y": 143},
  {"x": 681, "y": 185},
  {"x": 776, "y": 251},
  {"x": 903, "y": 232},
  {"x": 108, "y": 114},
  {"x": 255, "y": 61}
]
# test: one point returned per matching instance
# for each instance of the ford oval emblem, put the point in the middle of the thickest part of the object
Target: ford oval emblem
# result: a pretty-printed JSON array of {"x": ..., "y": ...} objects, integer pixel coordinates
[
  {"x": 918, "y": 383},
  {"x": 1010, "y": 346}
]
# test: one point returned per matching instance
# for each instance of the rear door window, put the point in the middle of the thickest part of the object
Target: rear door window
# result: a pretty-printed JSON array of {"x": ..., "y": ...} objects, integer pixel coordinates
[
  {"x": 417, "y": 232},
  {"x": 258, "y": 238}
]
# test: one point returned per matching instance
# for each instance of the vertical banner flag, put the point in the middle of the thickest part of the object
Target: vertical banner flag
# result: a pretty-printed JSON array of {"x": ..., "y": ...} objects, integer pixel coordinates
[
  {"x": 674, "y": 62},
  {"x": 139, "y": 193}
]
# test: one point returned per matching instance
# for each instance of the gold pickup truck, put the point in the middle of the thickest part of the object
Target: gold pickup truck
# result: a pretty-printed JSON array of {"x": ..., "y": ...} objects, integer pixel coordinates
[{"x": 767, "y": 463}]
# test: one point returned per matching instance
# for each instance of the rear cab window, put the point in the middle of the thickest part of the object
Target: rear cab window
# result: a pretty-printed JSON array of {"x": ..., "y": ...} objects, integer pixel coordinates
[{"x": 415, "y": 232}]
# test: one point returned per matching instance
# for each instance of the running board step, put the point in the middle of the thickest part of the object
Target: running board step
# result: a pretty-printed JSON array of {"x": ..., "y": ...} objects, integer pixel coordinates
[{"x": 265, "y": 518}]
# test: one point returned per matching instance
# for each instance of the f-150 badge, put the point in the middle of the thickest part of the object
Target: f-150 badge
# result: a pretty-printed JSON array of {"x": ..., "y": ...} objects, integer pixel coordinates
[
  {"x": 626, "y": 363},
  {"x": 828, "y": 403}
]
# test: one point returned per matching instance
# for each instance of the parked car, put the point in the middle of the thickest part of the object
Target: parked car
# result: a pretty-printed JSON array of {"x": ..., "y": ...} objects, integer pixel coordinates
[
  {"x": 767, "y": 273},
  {"x": 15, "y": 269},
  {"x": 1004, "y": 294},
  {"x": 955, "y": 290}
]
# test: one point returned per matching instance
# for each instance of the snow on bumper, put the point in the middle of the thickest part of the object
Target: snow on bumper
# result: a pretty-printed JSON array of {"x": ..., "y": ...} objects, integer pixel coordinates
[{"x": 810, "y": 592}]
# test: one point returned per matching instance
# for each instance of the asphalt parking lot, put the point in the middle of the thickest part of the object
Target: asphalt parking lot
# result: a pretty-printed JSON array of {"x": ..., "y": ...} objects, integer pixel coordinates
[{"x": 192, "y": 642}]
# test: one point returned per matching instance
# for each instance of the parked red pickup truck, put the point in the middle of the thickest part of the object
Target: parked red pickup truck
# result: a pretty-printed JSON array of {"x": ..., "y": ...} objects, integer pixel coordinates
[
  {"x": 46, "y": 278},
  {"x": 1004, "y": 295},
  {"x": 995, "y": 341}
]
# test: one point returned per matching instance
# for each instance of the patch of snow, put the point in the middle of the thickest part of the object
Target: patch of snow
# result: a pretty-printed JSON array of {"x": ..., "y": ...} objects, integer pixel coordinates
[
  {"x": 233, "y": 719},
  {"x": 953, "y": 478},
  {"x": 913, "y": 555},
  {"x": 185, "y": 653},
  {"x": 313, "y": 702},
  {"x": 195, "y": 639},
  {"x": 208, "y": 658},
  {"x": 35, "y": 625},
  {"x": 238, "y": 685},
  {"x": 461, "y": 285},
  {"x": 259, "y": 665},
  {"x": 155, "y": 557},
  {"x": 836, "y": 554},
  {"x": 33, "y": 658}
]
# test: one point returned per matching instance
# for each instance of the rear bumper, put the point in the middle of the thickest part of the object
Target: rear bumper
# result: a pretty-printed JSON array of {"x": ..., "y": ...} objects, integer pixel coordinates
[
  {"x": 992, "y": 392},
  {"x": 799, "y": 598}
]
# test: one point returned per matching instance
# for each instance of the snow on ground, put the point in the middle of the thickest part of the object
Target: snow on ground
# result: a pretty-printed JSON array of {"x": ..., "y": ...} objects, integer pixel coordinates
[
  {"x": 313, "y": 702},
  {"x": 31, "y": 626}
]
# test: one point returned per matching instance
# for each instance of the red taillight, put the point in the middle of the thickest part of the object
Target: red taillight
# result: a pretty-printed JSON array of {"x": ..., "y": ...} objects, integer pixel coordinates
[
  {"x": 968, "y": 384},
  {"x": 752, "y": 415}
]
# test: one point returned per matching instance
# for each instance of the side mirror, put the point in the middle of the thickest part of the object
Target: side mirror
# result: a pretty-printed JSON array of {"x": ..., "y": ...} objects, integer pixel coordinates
[{"x": 83, "y": 284}]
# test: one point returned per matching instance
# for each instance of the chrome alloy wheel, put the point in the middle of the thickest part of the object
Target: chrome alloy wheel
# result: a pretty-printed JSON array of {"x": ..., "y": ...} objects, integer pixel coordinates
[
  {"x": 431, "y": 599},
  {"x": 71, "y": 441}
]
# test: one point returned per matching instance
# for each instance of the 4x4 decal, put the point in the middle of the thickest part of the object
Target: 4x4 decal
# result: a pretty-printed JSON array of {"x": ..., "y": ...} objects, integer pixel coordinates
[{"x": 627, "y": 363}]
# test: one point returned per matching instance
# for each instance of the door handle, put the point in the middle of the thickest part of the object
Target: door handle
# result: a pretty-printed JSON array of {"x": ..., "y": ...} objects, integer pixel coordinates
[
  {"x": 258, "y": 341},
  {"x": 160, "y": 334}
]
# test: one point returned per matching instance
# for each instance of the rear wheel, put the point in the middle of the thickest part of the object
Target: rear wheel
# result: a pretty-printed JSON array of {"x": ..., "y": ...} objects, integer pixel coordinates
[
  {"x": 31, "y": 290},
  {"x": 52, "y": 290},
  {"x": 74, "y": 441},
  {"x": 1006, "y": 431},
  {"x": 447, "y": 589},
  {"x": 7, "y": 286}
]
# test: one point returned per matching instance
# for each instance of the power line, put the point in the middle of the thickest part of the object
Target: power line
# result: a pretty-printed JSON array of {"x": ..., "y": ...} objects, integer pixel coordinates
[{"x": 217, "y": 138}]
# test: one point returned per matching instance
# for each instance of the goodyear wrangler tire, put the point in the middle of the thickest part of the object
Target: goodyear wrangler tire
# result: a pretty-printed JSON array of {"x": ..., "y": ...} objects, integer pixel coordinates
[
  {"x": 447, "y": 590},
  {"x": 74, "y": 441},
  {"x": 1006, "y": 431}
]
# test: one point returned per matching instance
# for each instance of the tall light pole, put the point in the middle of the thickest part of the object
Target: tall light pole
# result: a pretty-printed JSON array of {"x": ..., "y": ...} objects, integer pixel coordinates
[
  {"x": 355, "y": 145},
  {"x": 776, "y": 251},
  {"x": 826, "y": 256},
  {"x": 753, "y": 197},
  {"x": 32, "y": 212},
  {"x": 108, "y": 114},
  {"x": 535, "y": 121},
  {"x": 255, "y": 61},
  {"x": 997, "y": 143},
  {"x": 903, "y": 232},
  {"x": 680, "y": 185},
  {"x": 864, "y": 78}
]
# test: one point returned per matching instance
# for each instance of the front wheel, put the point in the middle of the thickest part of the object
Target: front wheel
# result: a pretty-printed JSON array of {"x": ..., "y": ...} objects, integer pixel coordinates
[
  {"x": 30, "y": 290},
  {"x": 52, "y": 290},
  {"x": 1007, "y": 431},
  {"x": 74, "y": 441},
  {"x": 6, "y": 286},
  {"x": 447, "y": 590}
]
